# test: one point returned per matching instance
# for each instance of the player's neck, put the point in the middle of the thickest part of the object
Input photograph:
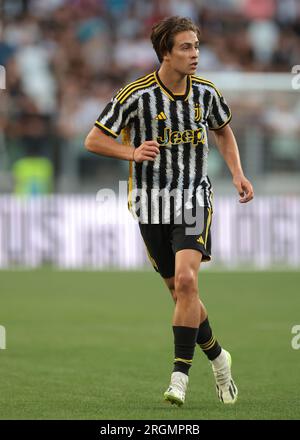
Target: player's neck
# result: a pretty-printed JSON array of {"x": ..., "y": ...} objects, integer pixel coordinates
[{"x": 172, "y": 80}]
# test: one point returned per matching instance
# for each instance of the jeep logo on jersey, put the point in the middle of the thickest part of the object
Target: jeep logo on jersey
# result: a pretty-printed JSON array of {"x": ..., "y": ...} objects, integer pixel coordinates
[
  {"x": 193, "y": 137},
  {"x": 198, "y": 113}
]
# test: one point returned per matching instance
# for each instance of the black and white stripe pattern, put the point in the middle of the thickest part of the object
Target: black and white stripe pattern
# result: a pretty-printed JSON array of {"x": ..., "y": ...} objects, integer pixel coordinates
[{"x": 180, "y": 165}]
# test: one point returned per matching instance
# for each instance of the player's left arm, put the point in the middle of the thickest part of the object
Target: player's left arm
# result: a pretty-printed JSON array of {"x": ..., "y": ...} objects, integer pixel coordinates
[{"x": 228, "y": 148}]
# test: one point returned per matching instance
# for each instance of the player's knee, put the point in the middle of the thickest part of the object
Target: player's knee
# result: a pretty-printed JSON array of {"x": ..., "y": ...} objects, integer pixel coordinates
[
  {"x": 185, "y": 282},
  {"x": 171, "y": 286},
  {"x": 173, "y": 294}
]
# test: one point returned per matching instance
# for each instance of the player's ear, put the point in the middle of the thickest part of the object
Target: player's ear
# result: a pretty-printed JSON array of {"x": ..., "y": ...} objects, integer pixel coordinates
[{"x": 166, "y": 56}]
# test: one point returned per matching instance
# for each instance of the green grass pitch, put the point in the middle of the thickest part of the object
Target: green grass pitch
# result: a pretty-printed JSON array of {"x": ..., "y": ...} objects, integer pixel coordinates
[{"x": 99, "y": 345}]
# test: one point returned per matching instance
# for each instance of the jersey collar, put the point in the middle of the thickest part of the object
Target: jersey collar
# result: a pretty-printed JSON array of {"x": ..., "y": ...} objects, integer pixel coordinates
[{"x": 170, "y": 94}]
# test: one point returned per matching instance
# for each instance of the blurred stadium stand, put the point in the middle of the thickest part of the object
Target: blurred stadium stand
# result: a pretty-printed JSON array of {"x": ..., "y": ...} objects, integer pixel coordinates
[{"x": 64, "y": 59}]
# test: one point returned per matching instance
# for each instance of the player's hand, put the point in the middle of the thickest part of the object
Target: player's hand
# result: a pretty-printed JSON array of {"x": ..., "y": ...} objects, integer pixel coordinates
[
  {"x": 148, "y": 150},
  {"x": 244, "y": 188}
]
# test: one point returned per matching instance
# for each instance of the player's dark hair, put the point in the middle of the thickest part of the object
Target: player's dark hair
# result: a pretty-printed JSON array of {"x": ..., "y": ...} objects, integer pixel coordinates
[{"x": 164, "y": 31}]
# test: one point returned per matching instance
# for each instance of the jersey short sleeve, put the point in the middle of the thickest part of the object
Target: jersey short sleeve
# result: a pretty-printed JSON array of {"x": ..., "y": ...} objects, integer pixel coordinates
[
  {"x": 111, "y": 120},
  {"x": 219, "y": 113},
  {"x": 116, "y": 116}
]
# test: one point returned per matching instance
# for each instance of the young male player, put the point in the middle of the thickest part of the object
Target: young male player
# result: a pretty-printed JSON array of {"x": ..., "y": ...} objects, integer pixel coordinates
[{"x": 164, "y": 117}]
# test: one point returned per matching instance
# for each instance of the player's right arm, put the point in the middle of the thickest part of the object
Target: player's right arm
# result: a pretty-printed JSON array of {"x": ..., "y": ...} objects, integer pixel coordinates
[{"x": 99, "y": 143}]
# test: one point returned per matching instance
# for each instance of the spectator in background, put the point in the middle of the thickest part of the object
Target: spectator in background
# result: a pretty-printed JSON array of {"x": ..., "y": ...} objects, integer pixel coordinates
[
  {"x": 282, "y": 130},
  {"x": 264, "y": 36},
  {"x": 33, "y": 176}
]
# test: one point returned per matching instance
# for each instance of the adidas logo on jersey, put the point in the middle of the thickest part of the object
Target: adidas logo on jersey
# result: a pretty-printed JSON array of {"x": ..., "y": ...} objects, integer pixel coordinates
[
  {"x": 200, "y": 240},
  {"x": 161, "y": 116}
]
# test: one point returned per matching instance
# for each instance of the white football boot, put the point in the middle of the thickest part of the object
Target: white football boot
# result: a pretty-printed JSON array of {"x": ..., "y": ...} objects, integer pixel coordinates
[
  {"x": 177, "y": 388},
  {"x": 227, "y": 391}
]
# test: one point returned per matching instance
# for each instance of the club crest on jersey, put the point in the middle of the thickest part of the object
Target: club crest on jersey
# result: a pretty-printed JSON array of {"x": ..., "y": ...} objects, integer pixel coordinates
[
  {"x": 193, "y": 137},
  {"x": 198, "y": 113}
]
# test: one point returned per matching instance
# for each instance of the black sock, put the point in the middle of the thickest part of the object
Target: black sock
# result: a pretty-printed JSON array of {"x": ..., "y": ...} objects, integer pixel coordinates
[
  {"x": 185, "y": 342},
  {"x": 207, "y": 341}
]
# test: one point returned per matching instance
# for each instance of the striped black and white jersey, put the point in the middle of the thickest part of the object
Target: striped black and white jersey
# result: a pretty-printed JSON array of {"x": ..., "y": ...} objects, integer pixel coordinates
[{"x": 146, "y": 110}]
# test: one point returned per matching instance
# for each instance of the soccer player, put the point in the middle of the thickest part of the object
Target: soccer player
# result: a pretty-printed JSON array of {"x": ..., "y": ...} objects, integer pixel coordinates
[{"x": 164, "y": 117}]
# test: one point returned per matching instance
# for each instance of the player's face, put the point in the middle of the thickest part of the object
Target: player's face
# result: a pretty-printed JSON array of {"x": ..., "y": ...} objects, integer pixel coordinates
[{"x": 184, "y": 55}]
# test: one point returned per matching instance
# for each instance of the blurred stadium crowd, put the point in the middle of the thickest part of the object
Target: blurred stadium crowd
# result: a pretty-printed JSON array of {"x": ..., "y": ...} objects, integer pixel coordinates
[{"x": 64, "y": 59}]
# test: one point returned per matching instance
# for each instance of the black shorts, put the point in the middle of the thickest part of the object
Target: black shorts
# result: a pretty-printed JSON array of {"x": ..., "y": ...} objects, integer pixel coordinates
[{"x": 164, "y": 240}]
